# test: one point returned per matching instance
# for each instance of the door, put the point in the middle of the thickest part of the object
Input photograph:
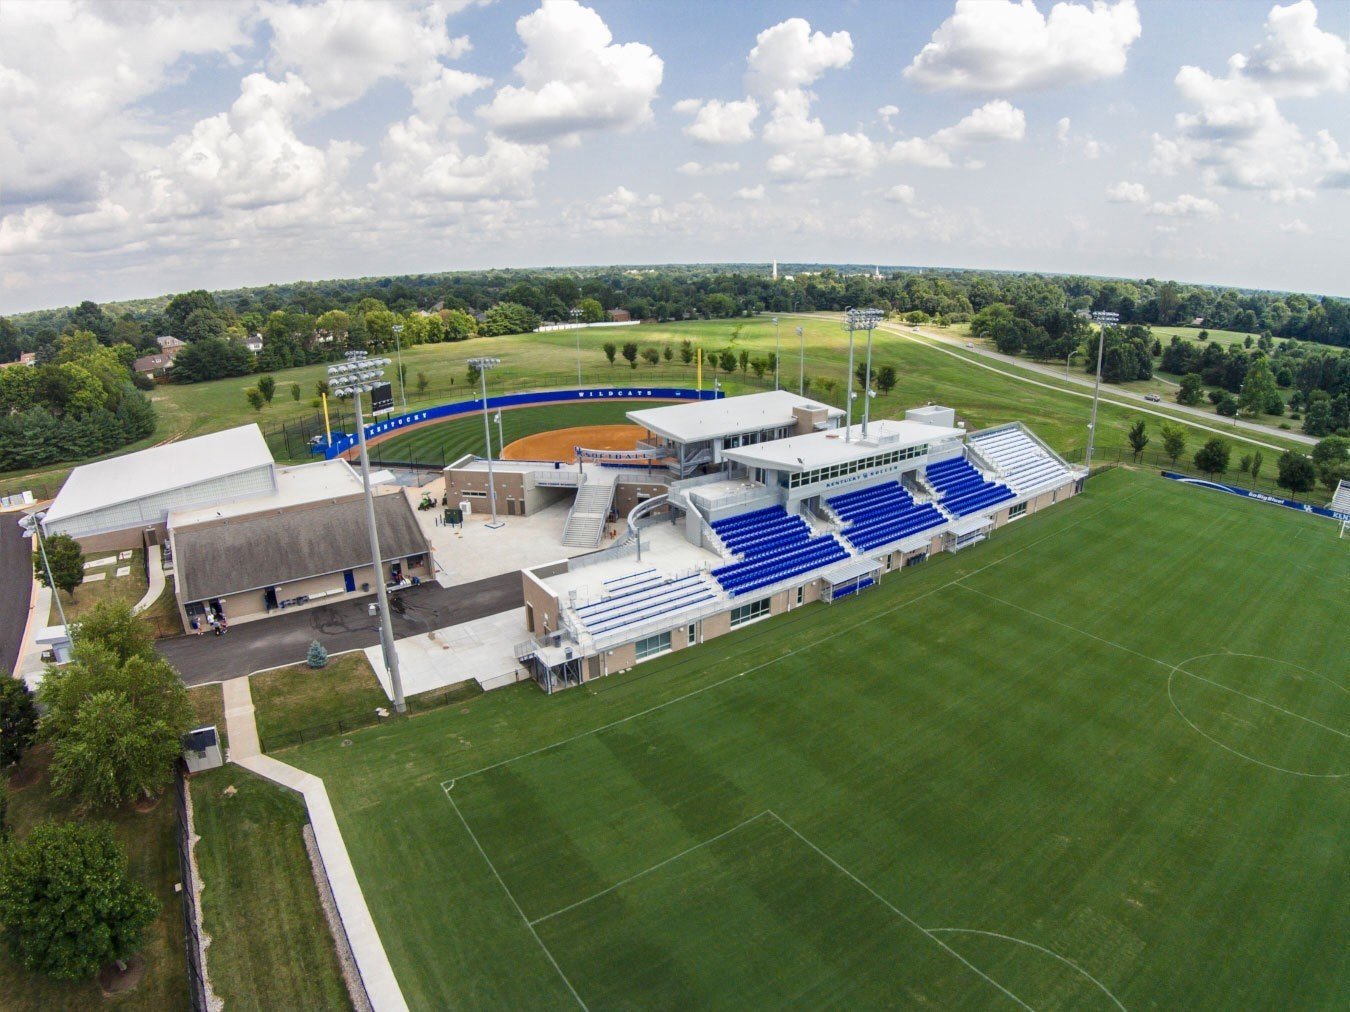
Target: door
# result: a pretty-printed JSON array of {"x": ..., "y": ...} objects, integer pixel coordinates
[{"x": 349, "y": 581}]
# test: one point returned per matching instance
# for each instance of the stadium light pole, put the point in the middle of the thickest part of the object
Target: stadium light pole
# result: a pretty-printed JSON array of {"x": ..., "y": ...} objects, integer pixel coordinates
[
  {"x": 801, "y": 362},
  {"x": 33, "y": 524},
  {"x": 862, "y": 319},
  {"x": 398, "y": 351},
  {"x": 776, "y": 354},
  {"x": 1102, "y": 318},
  {"x": 483, "y": 365},
  {"x": 351, "y": 379},
  {"x": 575, "y": 314}
]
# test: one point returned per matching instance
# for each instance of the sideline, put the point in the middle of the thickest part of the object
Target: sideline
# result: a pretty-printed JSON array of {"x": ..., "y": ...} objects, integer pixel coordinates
[{"x": 377, "y": 975}]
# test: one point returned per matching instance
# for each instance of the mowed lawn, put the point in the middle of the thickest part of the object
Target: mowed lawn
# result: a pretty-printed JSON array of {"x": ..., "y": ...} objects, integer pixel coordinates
[
  {"x": 1102, "y": 757},
  {"x": 443, "y": 443}
]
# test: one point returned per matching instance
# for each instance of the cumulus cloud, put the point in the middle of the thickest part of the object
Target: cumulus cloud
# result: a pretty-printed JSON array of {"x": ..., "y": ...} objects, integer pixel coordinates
[
  {"x": 750, "y": 193},
  {"x": 717, "y": 122},
  {"x": 1296, "y": 57},
  {"x": 1127, "y": 193},
  {"x": 901, "y": 193},
  {"x": 1001, "y": 46},
  {"x": 789, "y": 55},
  {"x": 1185, "y": 206},
  {"x": 574, "y": 78},
  {"x": 993, "y": 121},
  {"x": 708, "y": 169}
]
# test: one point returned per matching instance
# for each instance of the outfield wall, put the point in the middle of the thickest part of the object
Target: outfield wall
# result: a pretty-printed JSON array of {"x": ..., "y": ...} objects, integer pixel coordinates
[
  {"x": 1246, "y": 493},
  {"x": 341, "y": 442}
]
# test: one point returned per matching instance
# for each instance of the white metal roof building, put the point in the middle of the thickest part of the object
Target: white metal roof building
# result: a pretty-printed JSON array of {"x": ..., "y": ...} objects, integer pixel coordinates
[
  {"x": 702, "y": 421},
  {"x": 139, "y": 490}
]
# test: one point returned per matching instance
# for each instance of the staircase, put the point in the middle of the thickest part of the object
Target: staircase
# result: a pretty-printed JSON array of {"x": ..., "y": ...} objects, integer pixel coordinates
[{"x": 586, "y": 521}]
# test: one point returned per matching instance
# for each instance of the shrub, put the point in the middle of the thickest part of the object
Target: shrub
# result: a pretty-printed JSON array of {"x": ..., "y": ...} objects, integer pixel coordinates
[{"x": 317, "y": 656}]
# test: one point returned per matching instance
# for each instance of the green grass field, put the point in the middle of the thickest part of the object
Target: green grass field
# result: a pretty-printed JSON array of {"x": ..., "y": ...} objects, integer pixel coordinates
[
  {"x": 1225, "y": 338},
  {"x": 444, "y": 442},
  {"x": 1098, "y": 761}
]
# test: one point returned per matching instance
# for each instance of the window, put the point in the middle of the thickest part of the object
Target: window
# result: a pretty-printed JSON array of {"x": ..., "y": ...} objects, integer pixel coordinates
[
  {"x": 1019, "y": 510},
  {"x": 691, "y": 635},
  {"x": 653, "y": 645},
  {"x": 801, "y": 595},
  {"x": 749, "y": 612}
]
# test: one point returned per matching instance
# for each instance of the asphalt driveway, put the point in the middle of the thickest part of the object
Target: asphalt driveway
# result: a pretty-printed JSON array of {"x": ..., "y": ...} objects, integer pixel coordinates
[
  {"x": 285, "y": 639},
  {"x": 16, "y": 577}
]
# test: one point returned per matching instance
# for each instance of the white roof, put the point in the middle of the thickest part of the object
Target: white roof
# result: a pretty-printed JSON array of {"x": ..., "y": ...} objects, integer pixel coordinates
[
  {"x": 823, "y": 449},
  {"x": 703, "y": 420},
  {"x": 321, "y": 481},
  {"x": 159, "y": 469}
]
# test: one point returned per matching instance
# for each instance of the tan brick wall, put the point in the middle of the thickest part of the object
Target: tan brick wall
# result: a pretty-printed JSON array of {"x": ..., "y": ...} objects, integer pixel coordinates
[
  {"x": 510, "y": 488},
  {"x": 120, "y": 541},
  {"x": 541, "y": 607},
  {"x": 626, "y": 494}
]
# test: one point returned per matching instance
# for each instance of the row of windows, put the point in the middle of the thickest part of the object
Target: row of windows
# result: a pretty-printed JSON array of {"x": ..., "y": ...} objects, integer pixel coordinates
[
  {"x": 749, "y": 612},
  {"x": 653, "y": 645},
  {"x": 855, "y": 466}
]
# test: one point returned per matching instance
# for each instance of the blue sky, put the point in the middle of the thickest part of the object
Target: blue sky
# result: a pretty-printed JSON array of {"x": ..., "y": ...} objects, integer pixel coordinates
[{"x": 147, "y": 148}]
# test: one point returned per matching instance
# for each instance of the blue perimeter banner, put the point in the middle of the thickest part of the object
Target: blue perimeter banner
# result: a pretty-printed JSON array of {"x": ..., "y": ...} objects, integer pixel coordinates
[
  {"x": 1246, "y": 493},
  {"x": 344, "y": 441}
]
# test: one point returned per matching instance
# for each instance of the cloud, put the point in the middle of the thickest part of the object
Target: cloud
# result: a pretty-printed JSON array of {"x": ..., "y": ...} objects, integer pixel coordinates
[
  {"x": 901, "y": 193},
  {"x": 708, "y": 169},
  {"x": 717, "y": 122},
  {"x": 750, "y": 193},
  {"x": 789, "y": 55},
  {"x": 807, "y": 151},
  {"x": 574, "y": 78},
  {"x": 994, "y": 121},
  {"x": 1186, "y": 206},
  {"x": 341, "y": 49},
  {"x": 1001, "y": 46},
  {"x": 1127, "y": 193},
  {"x": 1062, "y": 130},
  {"x": 1296, "y": 226},
  {"x": 622, "y": 203},
  {"x": 887, "y": 111},
  {"x": 1296, "y": 57}
]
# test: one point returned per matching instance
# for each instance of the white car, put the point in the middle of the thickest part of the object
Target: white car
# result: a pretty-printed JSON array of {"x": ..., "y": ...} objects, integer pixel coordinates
[{"x": 1152, "y": 397}]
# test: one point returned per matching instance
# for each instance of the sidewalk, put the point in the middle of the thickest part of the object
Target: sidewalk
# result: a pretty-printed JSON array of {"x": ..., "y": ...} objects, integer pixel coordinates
[
  {"x": 371, "y": 960},
  {"x": 154, "y": 562}
]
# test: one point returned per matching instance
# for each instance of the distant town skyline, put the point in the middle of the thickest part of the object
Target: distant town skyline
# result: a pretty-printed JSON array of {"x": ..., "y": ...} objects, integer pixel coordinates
[{"x": 147, "y": 148}]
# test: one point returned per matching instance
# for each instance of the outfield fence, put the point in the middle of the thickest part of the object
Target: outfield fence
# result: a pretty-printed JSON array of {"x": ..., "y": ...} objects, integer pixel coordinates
[
  {"x": 192, "y": 939},
  {"x": 356, "y": 721}
]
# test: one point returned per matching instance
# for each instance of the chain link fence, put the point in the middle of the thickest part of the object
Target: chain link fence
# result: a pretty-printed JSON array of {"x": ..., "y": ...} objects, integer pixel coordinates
[
  {"x": 1264, "y": 482},
  {"x": 192, "y": 940},
  {"x": 423, "y": 703}
]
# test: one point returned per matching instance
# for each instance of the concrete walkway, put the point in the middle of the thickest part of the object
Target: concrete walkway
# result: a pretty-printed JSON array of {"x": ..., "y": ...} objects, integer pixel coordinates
[
  {"x": 154, "y": 563},
  {"x": 371, "y": 959}
]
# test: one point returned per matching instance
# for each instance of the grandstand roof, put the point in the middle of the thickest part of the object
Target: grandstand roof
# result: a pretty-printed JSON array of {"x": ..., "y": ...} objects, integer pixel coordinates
[
  {"x": 159, "y": 469},
  {"x": 704, "y": 420},
  {"x": 822, "y": 449}
]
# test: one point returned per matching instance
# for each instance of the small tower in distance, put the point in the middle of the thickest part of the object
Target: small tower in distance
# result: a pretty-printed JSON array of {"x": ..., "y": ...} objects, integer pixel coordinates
[{"x": 775, "y": 270}]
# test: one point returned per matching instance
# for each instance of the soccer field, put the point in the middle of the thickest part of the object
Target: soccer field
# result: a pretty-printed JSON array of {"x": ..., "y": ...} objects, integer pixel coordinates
[{"x": 1099, "y": 761}]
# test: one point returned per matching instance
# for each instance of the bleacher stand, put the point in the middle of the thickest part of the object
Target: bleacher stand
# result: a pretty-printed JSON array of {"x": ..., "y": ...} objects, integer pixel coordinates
[
  {"x": 963, "y": 489},
  {"x": 881, "y": 514},
  {"x": 642, "y": 596},
  {"x": 773, "y": 547},
  {"x": 1025, "y": 463}
]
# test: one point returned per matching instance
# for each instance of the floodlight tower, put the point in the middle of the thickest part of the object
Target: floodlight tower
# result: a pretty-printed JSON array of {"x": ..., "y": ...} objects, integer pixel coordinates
[
  {"x": 801, "y": 362},
  {"x": 398, "y": 351},
  {"x": 860, "y": 319},
  {"x": 1101, "y": 318},
  {"x": 776, "y": 354},
  {"x": 351, "y": 379},
  {"x": 575, "y": 314},
  {"x": 32, "y": 524},
  {"x": 483, "y": 365}
]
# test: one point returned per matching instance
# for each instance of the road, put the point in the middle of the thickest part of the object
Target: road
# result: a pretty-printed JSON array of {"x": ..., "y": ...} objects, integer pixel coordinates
[
  {"x": 1110, "y": 395},
  {"x": 16, "y": 573},
  {"x": 285, "y": 639}
]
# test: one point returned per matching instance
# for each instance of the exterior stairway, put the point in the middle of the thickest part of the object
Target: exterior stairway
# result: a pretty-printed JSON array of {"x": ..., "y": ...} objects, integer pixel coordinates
[{"x": 586, "y": 521}]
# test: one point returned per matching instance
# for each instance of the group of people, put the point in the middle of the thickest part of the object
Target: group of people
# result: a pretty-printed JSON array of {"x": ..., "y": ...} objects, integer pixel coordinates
[{"x": 215, "y": 622}]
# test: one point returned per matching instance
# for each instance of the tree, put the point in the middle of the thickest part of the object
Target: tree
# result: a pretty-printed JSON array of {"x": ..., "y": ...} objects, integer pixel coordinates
[
  {"x": 472, "y": 375},
  {"x": 1257, "y": 461},
  {"x": 1192, "y": 389},
  {"x": 114, "y": 753},
  {"x": 255, "y": 397},
  {"x": 267, "y": 386},
  {"x": 1259, "y": 393},
  {"x": 295, "y": 392},
  {"x": 66, "y": 561},
  {"x": 886, "y": 379},
  {"x": 67, "y": 904},
  {"x": 728, "y": 361},
  {"x": 1296, "y": 472},
  {"x": 18, "y": 719},
  {"x": 667, "y": 352},
  {"x": 760, "y": 366},
  {"x": 1226, "y": 404},
  {"x": 630, "y": 353},
  {"x": 1212, "y": 458},
  {"x": 423, "y": 382},
  {"x": 1331, "y": 458},
  {"x": 591, "y": 310},
  {"x": 1138, "y": 437},
  {"x": 317, "y": 656},
  {"x": 1174, "y": 441},
  {"x": 686, "y": 352},
  {"x": 610, "y": 349},
  {"x": 743, "y": 358},
  {"x": 651, "y": 356},
  {"x": 116, "y": 628}
]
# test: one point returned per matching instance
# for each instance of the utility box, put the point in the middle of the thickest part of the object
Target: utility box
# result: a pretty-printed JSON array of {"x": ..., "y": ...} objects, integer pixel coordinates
[
  {"x": 201, "y": 749},
  {"x": 933, "y": 414}
]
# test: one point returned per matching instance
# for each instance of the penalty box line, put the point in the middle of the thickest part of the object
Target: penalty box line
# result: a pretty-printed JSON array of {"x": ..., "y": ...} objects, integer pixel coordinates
[{"x": 448, "y": 784}]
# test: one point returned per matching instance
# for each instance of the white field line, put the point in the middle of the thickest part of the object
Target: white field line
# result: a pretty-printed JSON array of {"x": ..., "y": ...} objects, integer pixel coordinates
[
  {"x": 510, "y": 896},
  {"x": 1291, "y": 713},
  {"x": 899, "y": 913},
  {"x": 1040, "y": 948},
  {"x": 660, "y": 864},
  {"x": 843, "y": 631}
]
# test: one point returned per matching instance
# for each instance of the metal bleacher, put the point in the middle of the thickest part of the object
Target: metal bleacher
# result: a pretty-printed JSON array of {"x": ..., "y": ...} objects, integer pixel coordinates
[
  {"x": 773, "y": 547},
  {"x": 880, "y": 514},
  {"x": 963, "y": 489},
  {"x": 643, "y": 596},
  {"x": 1025, "y": 463}
]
